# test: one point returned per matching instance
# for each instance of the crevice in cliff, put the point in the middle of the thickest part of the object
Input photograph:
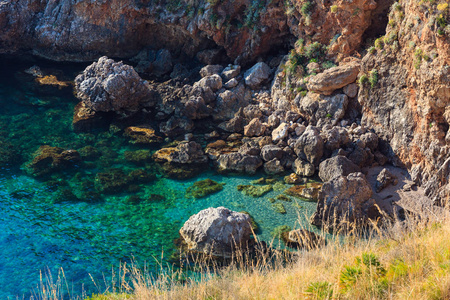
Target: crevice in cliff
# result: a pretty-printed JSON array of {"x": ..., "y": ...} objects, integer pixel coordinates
[{"x": 379, "y": 21}]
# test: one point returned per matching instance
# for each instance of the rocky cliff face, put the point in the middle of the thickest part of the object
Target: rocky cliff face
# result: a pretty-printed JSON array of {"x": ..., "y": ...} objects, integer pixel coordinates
[
  {"x": 405, "y": 92},
  {"x": 244, "y": 29}
]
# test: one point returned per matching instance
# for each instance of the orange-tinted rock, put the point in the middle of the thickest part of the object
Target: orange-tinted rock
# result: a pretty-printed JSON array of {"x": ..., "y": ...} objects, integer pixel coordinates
[{"x": 142, "y": 135}]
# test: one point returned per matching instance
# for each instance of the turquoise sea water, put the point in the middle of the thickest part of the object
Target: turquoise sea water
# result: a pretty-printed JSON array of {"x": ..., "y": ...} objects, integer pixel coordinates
[{"x": 63, "y": 222}]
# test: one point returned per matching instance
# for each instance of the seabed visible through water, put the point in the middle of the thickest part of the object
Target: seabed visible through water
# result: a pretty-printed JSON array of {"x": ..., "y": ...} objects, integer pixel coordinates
[{"x": 62, "y": 222}]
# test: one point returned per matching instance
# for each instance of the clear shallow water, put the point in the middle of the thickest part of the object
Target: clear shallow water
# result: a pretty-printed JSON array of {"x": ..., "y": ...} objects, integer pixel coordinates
[{"x": 61, "y": 221}]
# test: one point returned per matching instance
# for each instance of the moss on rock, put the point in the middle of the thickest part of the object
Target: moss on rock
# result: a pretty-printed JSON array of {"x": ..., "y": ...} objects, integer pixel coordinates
[
  {"x": 204, "y": 188},
  {"x": 254, "y": 191}
]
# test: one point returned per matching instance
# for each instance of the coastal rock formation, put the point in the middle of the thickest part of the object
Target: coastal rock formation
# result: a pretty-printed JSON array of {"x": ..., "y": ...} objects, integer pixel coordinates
[
  {"x": 345, "y": 201},
  {"x": 107, "y": 85},
  {"x": 185, "y": 160},
  {"x": 217, "y": 232},
  {"x": 405, "y": 93}
]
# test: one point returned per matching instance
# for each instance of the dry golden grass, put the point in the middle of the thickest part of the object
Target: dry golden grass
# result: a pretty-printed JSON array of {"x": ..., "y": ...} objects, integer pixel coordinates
[
  {"x": 411, "y": 262},
  {"x": 403, "y": 262}
]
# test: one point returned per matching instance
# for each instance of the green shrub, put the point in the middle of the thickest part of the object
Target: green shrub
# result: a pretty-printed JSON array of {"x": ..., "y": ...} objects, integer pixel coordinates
[
  {"x": 348, "y": 277},
  {"x": 372, "y": 50},
  {"x": 306, "y": 9},
  {"x": 379, "y": 43},
  {"x": 363, "y": 79},
  {"x": 334, "y": 9},
  {"x": 319, "y": 290},
  {"x": 373, "y": 79}
]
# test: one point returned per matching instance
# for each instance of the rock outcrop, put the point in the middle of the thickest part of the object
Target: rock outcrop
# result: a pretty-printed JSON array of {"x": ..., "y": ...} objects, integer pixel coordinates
[
  {"x": 107, "y": 85},
  {"x": 217, "y": 232},
  {"x": 406, "y": 101},
  {"x": 345, "y": 201}
]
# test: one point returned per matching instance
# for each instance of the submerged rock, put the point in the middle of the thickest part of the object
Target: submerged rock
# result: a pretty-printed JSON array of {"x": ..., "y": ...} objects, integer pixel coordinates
[
  {"x": 185, "y": 160},
  {"x": 254, "y": 190},
  {"x": 204, "y": 188},
  {"x": 143, "y": 134},
  {"x": 217, "y": 232},
  {"x": 48, "y": 159}
]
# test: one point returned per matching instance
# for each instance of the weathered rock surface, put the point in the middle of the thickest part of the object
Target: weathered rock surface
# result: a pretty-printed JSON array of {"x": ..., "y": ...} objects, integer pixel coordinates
[
  {"x": 257, "y": 75},
  {"x": 310, "y": 145},
  {"x": 107, "y": 85},
  {"x": 217, "y": 232},
  {"x": 334, "y": 78},
  {"x": 185, "y": 160},
  {"x": 254, "y": 128},
  {"x": 408, "y": 105},
  {"x": 303, "y": 168},
  {"x": 345, "y": 201},
  {"x": 335, "y": 167},
  {"x": 237, "y": 162},
  {"x": 384, "y": 179}
]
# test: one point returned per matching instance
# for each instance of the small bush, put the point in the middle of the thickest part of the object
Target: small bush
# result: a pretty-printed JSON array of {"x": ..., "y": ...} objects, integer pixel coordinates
[
  {"x": 372, "y": 50},
  {"x": 373, "y": 79},
  {"x": 334, "y": 9},
  {"x": 306, "y": 9},
  {"x": 442, "y": 6},
  {"x": 319, "y": 290},
  {"x": 363, "y": 79},
  {"x": 379, "y": 43}
]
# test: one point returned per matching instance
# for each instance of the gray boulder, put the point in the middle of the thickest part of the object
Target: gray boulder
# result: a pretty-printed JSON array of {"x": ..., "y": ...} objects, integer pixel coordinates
[
  {"x": 335, "y": 167},
  {"x": 384, "y": 179},
  {"x": 210, "y": 70},
  {"x": 230, "y": 72},
  {"x": 237, "y": 162},
  {"x": 217, "y": 232},
  {"x": 257, "y": 75},
  {"x": 107, "y": 85},
  {"x": 273, "y": 166},
  {"x": 345, "y": 201},
  {"x": 214, "y": 82},
  {"x": 303, "y": 168},
  {"x": 309, "y": 146},
  {"x": 269, "y": 152}
]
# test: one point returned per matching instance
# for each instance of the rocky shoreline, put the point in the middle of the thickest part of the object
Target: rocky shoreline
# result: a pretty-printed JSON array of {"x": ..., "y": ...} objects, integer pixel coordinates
[{"x": 215, "y": 83}]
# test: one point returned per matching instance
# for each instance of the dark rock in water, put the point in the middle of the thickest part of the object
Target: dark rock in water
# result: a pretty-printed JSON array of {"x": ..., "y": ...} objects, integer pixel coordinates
[
  {"x": 139, "y": 157},
  {"x": 185, "y": 160},
  {"x": 89, "y": 153},
  {"x": 384, "y": 179},
  {"x": 107, "y": 85},
  {"x": 9, "y": 154},
  {"x": 48, "y": 159},
  {"x": 157, "y": 197},
  {"x": 254, "y": 191},
  {"x": 307, "y": 192},
  {"x": 86, "y": 119},
  {"x": 335, "y": 167},
  {"x": 294, "y": 179},
  {"x": 65, "y": 195},
  {"x": 217, "y": 232},
  {"x": 141, "y": 176},
  {"x": 134, "y": 199},
  {"x": 143, "y": 134},
  {"x": 237, "y": 162},
  {"x": 279, "y": 231},
  {"x": 112, "y": 181},
  {"x": 345, "y": 201},
  {"x": 204, "y": 188},
  {"x": 279, "y": 207},
  {"x": 301, "y": 238}
]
